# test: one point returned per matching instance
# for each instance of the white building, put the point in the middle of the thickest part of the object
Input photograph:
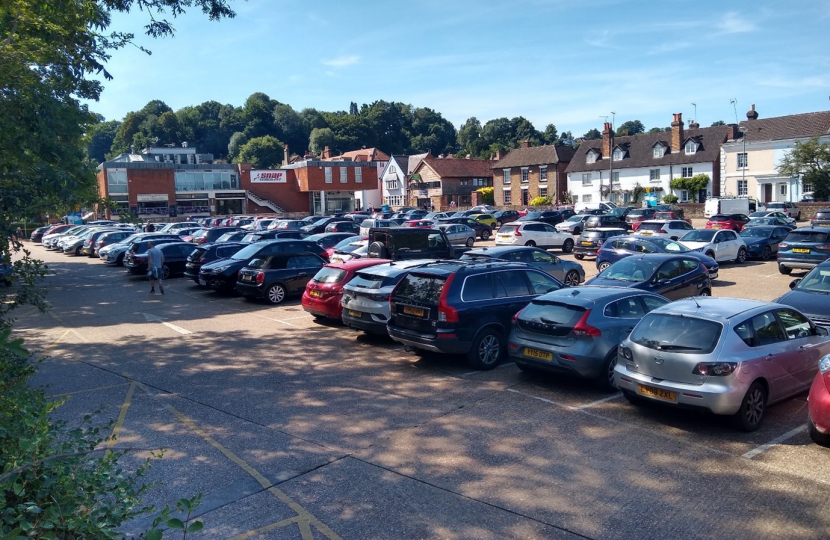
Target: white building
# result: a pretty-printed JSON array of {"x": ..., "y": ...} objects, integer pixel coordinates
[{"x": 395, "y": 177}]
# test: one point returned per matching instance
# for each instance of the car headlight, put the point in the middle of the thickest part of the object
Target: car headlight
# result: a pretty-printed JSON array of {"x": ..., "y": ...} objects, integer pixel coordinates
[
  {"x": 219, "y": 269},
  {"x": 824, "y": 364}
]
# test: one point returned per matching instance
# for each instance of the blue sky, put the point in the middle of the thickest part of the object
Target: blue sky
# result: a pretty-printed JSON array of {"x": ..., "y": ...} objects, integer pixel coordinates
[{"x": 566, "y": 63}]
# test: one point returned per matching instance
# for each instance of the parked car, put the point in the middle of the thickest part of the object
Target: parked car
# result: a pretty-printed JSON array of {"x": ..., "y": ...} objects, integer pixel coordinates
[
  {"x": 274, "y": 234},
  {"x": 770, "y": 221},
  {"x": 803, "y": 248},
  {"x": 531, "y": 233},
  {"x": 638, "y": 215},
  {"x": 222, "y": 274},
  {"x": 619, "y": 247},
  {"x": 486, "y": 219},
  {"x": 573, "y": 225},
  {"x": 83, "y": 241},
  {"x": 762, "y": 241},
  {"x": 208, "y": 236},
  {"x": 175, "y": 259},
  {"x": 568, "y": 272},
  {"x": 328, "y": 240},
  {"x": 465, "y": 307},
  {"x": 109, "y": 238},
  {"x": 787, "y": 207},
  {"x": 606, "y": 221},
  {"x": 670, "y": 215},
  {"x": 401, "y": 243},
  {"x": 421, "y": 223},
  {"x": 590, "y": 241},
  {"x": 373, "y": 224},
  {"x": 458, "y": 233},
  {"x": 355, "y": 249},
  {"x": 482, "y": 230},
  {"x": 673, "y": 228},
  {"x": 365, "y": 300},
  {"x": 91, "y": 240},
  {"x": 724, "y": 355},
  {"x": 772, "y": 214},
  {"x": 809, "y": 295},
  {"x": 722, "y": 245},
  {"x": 321, "y": 224},
  {"x": 38, "y": 233},
  {"x": 577, "y": 331},
  {"x": 551, "y": 217},
  {"x": 505, "y": 216},
  {"x": 205, "y": 253},
  {"x": 821, "y": 218},
  {"x": 818, "y": 404},
  {"x": 273, "y": 278},
  {"x": 735, "y": 222},
  {"x": 287, "y": 224},
  {"x": 236, "y": 235},
  {"x": 669, "y": 275},
  {"x": 115, "y": 254},
  {"x": 343, "y": 227},
  {"x": 325, "y": 290}
]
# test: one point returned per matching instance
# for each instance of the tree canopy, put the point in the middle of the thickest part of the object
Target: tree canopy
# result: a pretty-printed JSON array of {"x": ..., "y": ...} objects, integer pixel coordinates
[{"x": 810, "y": 161}]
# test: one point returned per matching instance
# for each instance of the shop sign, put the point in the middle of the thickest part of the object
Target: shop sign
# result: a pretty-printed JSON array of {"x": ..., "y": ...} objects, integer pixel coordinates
[
  {"x": 269, "y": 177},
  {"x": 152, "y": 197}
]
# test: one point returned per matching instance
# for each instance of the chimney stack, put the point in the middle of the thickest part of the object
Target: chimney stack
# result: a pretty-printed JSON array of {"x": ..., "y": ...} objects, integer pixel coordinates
[
  {"x": 607, "y": 136},
  {"x": 525, "y": 143},
  {"x": 326, "y": 154},
  {"x": 499, "y": 154},
  {"x": 694, "y": 125},
  {"x": 284, "y": 155},
  {"x": 733, "y": 131},
  {"x": 751, "y": 114},
  {"x": 677, "y": 135}
]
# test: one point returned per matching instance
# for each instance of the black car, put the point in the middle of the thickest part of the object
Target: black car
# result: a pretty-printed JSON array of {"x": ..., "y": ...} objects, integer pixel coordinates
[
  {"x": 235, "y": 235},
  {"x": 462, "y": 307},
  {"x": 112, "y": 237},
  {"x": 273, "y": 234},
  {"x": 591, "y": 240},
  {"x": 328, "y": 240},
  {"x": 810, "y": 295},
  {"x": 672, "y": 276},
  {"x": 606, "y": 220},
  {"x": 138, "y": 247},
  {"x": 321, "y": 224},
  {"x": 221, "y": 274},
  {"x": 506, "y": 216},
  {"x": 820, "y": 219},
  {"x": 206, "y": 253},
  {"x": 276, "y": 277},
  {"x": 208, "y": 236},
  {"x": 551, "y": 217},
  {"x": 344, "y": 227},
  {"x": 37, "y": 234},
  {"x": 175, "y": 259},
  {"x": 482, "y": 230}
]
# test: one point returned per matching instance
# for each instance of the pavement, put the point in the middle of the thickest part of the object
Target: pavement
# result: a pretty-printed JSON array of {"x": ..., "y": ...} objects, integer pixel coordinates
[{"x": 291, "y": 428}]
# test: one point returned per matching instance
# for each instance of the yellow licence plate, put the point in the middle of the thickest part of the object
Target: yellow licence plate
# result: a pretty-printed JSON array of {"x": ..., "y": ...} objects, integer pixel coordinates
[
  {"x": 800, "y": 250},
  {"x": 355, "y": 314},
  {"x": 315, "y": 294},
  {"x": 657, "y": 393},
  {"x": 586, "y": 243},
  {"x": 409, "y": 310},
  {"x": 646, "y": 233},
  {"x": 716, "y": 226},
  {"x": 541, "y": 355}
]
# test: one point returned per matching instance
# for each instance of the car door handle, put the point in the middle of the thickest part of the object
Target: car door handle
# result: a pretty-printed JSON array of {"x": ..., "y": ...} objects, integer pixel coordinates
[{"x": 769, "y": 357}]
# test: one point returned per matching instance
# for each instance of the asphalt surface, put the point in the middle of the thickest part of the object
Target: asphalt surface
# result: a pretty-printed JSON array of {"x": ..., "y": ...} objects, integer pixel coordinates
[{"x": 295, "y": 429}]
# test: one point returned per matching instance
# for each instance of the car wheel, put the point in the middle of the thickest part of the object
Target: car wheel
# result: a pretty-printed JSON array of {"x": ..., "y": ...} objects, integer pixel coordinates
[
  {"x": 785, "y": 270},
  {"x": 572, "y": 278},
  {"x": 603, "y": 265},
  {"x": 577, "y": 231},
  {"x": 78, "y": 251},
  {"x": 530, "y": 243},
  {"x": 741, "y": 256},
  {"x": 753, "y": 407},
  {"x": 275, "y": 294},
  {"x": 710, "y": 254},
  {"x": 579, "y": 256},
  {"x": 119, "y": 261},
  {"x": 705, "y": 292},
  {"x": 485, "y": 234},
  {"x": 165, "y": 272},
  {"x": 568, "y": 246},
  {"x": 471, "y": 241},
  {"x": 487, "y": 350},
  {"x": 766, "y": 254},
  {"x": 605, "y": 381},
  {"x": 818, "y": 437}
]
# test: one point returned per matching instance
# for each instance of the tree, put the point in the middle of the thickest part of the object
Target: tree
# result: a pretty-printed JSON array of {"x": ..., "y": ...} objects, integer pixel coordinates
[
  {"x": 810, "y": 161},
  {"x": 258, "y": 115},
  {"x": 431, "y": 132},
  {"x": 290, "y": 128},
  {"x": 631, "y": 127},
  {"x": 320, "y": 138},
  {"x": 99, "y": 139},
  {"x": 550, "y": 134},
  {"x": 262, "y": 152},
  {"x": 238, "y": 139},
  {"x": 592, "y": 135},
  {"x": 470, "y": 138},
  {"x": 353, "y": 108},
  {"x": 718, "y": 123}
]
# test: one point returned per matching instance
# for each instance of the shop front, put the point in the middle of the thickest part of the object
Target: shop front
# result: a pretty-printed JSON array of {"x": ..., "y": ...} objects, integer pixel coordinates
[
  {"x": 193, "y": 204},
  {"x": 229, "y": 203},
  {"x": 153, "y": 206},
  {"x": 332, "y": 202}
]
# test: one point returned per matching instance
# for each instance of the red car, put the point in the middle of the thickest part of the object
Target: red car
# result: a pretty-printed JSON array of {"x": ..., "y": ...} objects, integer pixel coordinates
[
  {"x": 818, "y": 415},
  {"x": 735, "y": 222},
  {"x": 322, "y": 294},
  {"x": 420, "y": 223}
]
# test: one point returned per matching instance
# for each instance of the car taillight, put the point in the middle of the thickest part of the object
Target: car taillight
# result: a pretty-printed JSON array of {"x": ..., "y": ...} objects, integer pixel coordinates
[
  {"x": 704, "y": 267},
  {"x": 516, "y": 317},
  {"x": 446, "y": 313},
  {"x": 582, "y": 328},
  {"x": 260, "y": 277},
  {"x": 823, "y": 246},
  {"x": 719, "y": 369},
  {"x": 517, "y": 233},
  {"x": 202, "y": 260},
  {"x": 783, "y": 245}
]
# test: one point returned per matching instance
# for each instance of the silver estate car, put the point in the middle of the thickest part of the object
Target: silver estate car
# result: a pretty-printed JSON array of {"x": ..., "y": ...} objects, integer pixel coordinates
[
  {"x": 726, "y": 355},
  {"x": 577, "y": 330},
  {"x": 458, "y": 233}
]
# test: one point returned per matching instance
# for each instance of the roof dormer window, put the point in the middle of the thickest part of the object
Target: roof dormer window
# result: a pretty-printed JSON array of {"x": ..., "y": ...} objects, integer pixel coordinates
[
  {"x": 618, "y": 154},
  {"x": 691, "y": 147},
  {"x": 591, "y": 157},
  {"x": 658, "y": 151}
]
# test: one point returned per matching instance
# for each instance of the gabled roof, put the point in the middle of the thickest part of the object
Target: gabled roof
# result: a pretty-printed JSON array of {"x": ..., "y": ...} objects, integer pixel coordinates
[
  {"x": 364, "y": 154},
  {"x": 535, "y": 155},
  {"x": 793, "y": 126},
  {"x": 640, "y": 150},
  {"x": 414, "y": 160},
  {"x": 457, "y": 168}
]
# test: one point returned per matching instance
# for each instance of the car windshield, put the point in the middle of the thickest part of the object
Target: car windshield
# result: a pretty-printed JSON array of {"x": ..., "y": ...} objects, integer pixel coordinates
[
  {"x": 225, "y": 237},
  {"x": 807, "y": 236},
  {"x": 756, "y": 232},
  {"x": 321, "y": 221},
  {"x": 248, "y": 238},
  {"x": 676, "y": 333},
  {"x": 617, "y": 212},
  {"x": 641, "y": 212},
  {"x": 329, "y": 275},
  {"x": 818, "y": 280},
  {"x": 651, "y": 226},
  {"x": 247, "y": 252},
  {"x": 346, "y": 242},
  {"x": 508, "y": 229},
  {"x": 669, "y": 245},
  {"x": 701, "y": 235},
  {"x": 576, "y": 219},
  {"x": 758, "y": 214},
  {"x": 762, "y": 221},
  {"x": 632, "y": 269},
  {"x": 352, "y": 246},
  {"x": 532, "y": 215}
]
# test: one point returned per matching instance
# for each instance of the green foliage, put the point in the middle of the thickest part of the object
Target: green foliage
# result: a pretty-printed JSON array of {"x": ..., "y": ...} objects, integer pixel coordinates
[
  {"x": 262, "y": 152},
  {"x": 631, "y": 127},
  {"x": 670, "y": 199},
  {"x": 550, "y": 135},
  {"x": 164, "y": 522},
  {"x": 540, "y": 201},
  {"x": 809, "y": 160},
  {"x": 592, "y": 135},
  {"x": 718, "y": 123},
  {"x": 636, "y": 193},
  {"x": 692, "y": 185},
  {"x": 487, "y": 195},
  {"x": 320, "y": 138},
  {"x": 100, "y": 138},
  {"x": 238, "y": 139}
]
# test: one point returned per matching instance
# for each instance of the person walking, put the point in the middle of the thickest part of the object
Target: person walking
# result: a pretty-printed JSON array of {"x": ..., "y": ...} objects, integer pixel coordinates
[
  {"x": 155, "y": 265},
  {"x": 149, "y": 227},
  {"x": 452, "y": 204}
]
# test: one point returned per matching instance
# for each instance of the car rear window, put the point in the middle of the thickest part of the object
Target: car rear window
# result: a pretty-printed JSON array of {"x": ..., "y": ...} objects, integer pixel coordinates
[
  {"x": 807, "y": 236},
  {"x": 651, "y": 227},
  {"x": 508, "y": 229},
  {"x": 369, "y": 281},
  {"x": 593, "y": 235},
  {"x": 197, "y": 253},
  {"x": 822, "y": 214},
  {"x": 329, "y": 275},
  {"x": 551, "y": 318},
  {"x": 420, "y": 288},
  {"x": 720, "y": 218},
  {"x": 675, "y": 333},
  {"x": 639, "y": 213}
]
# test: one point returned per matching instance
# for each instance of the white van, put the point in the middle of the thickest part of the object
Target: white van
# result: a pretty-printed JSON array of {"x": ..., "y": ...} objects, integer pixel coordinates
[
  {"x": 604, "y": 206},
  {"x": 367, "y": 224},
  {"x": 741, "y": 205}
]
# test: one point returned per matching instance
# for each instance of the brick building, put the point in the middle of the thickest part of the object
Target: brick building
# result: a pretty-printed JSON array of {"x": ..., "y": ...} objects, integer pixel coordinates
[
  {"x": 529, "y": 172},
  {"x": 439, "y": 181}
]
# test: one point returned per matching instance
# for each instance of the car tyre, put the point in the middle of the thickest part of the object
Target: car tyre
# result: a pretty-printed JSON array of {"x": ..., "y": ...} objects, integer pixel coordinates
[
  {"x": 78, "y": 251},
  {"x": 487, "y": 350},
  {"x": 753, "y": 408},
  {"x": 579, "y": 256},
  {"x": 741, "y": 256},
  {"x": 530, "y": 243},
  {"x": 275, "y": 294},
  {"x": 710, "y": 254},
  {"x": 603, "y": 265},
  {"x": 605, "y": 381},
  {"x": 818, "y": 437},
  {"x": 572, "y": 278},
  {"x": 568, "y": 246},
  {"x": 165, "y": 272},
  {"x": 766, "y": 254},
  {"x": 485, "y": 234},
  {"x": 471, "y": 241},
  {"x": 785, "y": 270}
]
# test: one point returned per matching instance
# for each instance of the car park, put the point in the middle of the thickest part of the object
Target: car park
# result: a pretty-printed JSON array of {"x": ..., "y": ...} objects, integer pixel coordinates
[
  {"x": 672, "y": 228},
  {"x": 464, "y": 308},
  {"x": 803, "y": 249},
  {"x": 762, "y": 241},
  {"x": 343, "y": 227},
  {"x": 486, "y": 219},
  {"x": 177, "y": 226},
  {"x": 422, "y": 223},
  {"x": 372, "y": 224},
  {"x": 568, "y": 272},
  {"x": 531, "y": 233},
  {"x": 786, "y": 207},
  {"x": 770, "y": 221},
  {"x": 590, "y": 241},
  {"x": 619, "y": 247},
  {"x": 328, "y": 240},
  {"x": 320, "y": 225},
  {"x": 287, "y": 224},
  {"x": 669, "y": 275},
  {"x": 573, "y": 225},
  {"x": 208, "y": 236},
  {"x": 727, "y": 356},
  {"x": 259, "y": 236},
  {"x": 458, "y": 233},
  {"x": 577, "y": 331},
  {"x": 235, "y": 235},
  {"x": 324, "y": 292},
  {"x": 115, "y": 253},
  {"x": 722, "y": 245},
  {"x": 818, "y": 404},
  {"x": 772, "y": 214},
  {"x": 735, "y": 222},
  {"x": 75, "y": 245},
  {"x": 275, "y": 277},
  {"x": 205, "y": 253},
  {"x": 635, "y": 217}
]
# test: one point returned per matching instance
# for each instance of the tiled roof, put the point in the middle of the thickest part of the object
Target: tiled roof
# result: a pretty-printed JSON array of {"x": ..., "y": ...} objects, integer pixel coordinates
[
  {"x": 793, "y": 126},
  {"x": 640, "y": 150},
  {"x": 459, "y": 168},
  {"x": 364, "y": 154},
  {"x": 535, "y": 155},
  {"x": 414, "y": 160}
]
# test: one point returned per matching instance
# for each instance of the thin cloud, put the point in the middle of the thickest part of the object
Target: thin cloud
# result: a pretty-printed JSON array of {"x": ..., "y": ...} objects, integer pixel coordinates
[
  {"x": 603, "y": 41},
  {"x": 734, "y": 23},
  {"x": 670, "y": 47},
  {"x": 342, "y": 61}
]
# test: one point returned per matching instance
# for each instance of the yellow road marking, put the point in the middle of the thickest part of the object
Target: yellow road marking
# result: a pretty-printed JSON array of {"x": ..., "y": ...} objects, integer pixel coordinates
[
  {"x": 51, "y": 345},
  {"x": 263, "y": 530},
  {"x": 116, "y": 430},
  {"x": 88, "y": 390}
]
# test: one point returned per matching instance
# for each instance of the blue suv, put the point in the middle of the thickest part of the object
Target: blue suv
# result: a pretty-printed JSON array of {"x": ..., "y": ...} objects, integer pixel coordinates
[
  {"x": 620, "y": 247},
  {"x": 464, "y": 307},
  {"x": 804, "y": 248}
]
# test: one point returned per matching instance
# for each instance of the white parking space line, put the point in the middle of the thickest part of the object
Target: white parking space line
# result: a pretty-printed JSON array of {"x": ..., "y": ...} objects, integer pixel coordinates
[
  {"x": 598, "y": 402},
  {"x": 276, "y": 320},
  {"x": 540, "y": 399},
  {"x": 163, "y": 321},
  {"x": 776, "y": 441}
]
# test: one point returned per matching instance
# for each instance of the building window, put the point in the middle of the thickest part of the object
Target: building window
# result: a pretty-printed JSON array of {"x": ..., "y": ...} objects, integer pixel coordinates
[
  {"x": 742, "y": 188},
  {"x": 618, "y": 154},
  {"x": 328, "y": 175},
  {"x": 586, "y": 178},
  {"x": 507, "y": 196},
  {"x": 524, "y": 175},
  {"x": 506, "y": 176},
  {"x": 615, "y": 177},
  {"x": 684, "y": 195},
  {"x": 587, "y": 198},
  {"x": 205, "y": 180},
  {"x": 116, "y": 181},
  {"x": 743, "y": 163},
  {"x": 691, "y": 147},
  {"x": 344, "y": 175},
  {"x": 391, "y": 184},
  {"x": 576, "y": 199},
  {"x": 358, "y": 175},
  {"x": 543, "y": 174},
  {"x": 392, "y": 169},
  {"x": 657, "y": 151},
  {"x": 686, "y": 172},
  {"x": 654, "y": 175},
  {"x": 591, "y": 157},
  {"x": 465, "y": 199},
  {"x": 543, "y": 191},
  {"x": 807, "y": 187},
  {"x": 783, "y": 189}
]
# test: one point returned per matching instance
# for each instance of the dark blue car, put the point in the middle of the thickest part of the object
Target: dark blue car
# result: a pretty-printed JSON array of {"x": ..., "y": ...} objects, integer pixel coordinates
[
  {"x": 672, "y": 276},
  {"x": 762, "y": 241},
  {"x": 810, "y": 295},
  {"x": 804, "y": 248},
  {"x": 619, "y": 247}
]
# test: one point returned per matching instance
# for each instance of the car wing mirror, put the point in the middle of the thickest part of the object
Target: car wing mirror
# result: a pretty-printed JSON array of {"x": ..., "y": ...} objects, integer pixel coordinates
[
  {"x": 663, "y": 281},
  {"x": 794, "y": 283},
  {"x": 822, "y": 331}
]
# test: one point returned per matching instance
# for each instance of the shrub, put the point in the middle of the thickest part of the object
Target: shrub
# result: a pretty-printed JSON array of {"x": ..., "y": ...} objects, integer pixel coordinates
[
  {"x": 670, "y": 199},
  {"x": 540, "y": 201},
  {"x": 487, "y": 195}
]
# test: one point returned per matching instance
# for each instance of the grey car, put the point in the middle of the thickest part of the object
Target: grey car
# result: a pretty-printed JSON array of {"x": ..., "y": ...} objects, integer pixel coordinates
[
  {"x": 458, "y": 233},
  {"x": 576, "y": 331},
  {"x": 724, "y": 355},
  {"x": 568, "y": 272}
]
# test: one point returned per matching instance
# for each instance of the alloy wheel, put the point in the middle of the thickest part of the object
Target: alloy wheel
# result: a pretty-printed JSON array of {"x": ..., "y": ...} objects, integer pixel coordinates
[
  {"x": 276, "y": 294},
  {"x": 572, "y": 278},
  {"x": 489, "y": 350}
]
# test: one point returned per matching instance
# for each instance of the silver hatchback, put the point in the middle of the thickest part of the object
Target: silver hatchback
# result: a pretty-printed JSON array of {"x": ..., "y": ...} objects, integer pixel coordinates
[{"x": 725, "y": 355}]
